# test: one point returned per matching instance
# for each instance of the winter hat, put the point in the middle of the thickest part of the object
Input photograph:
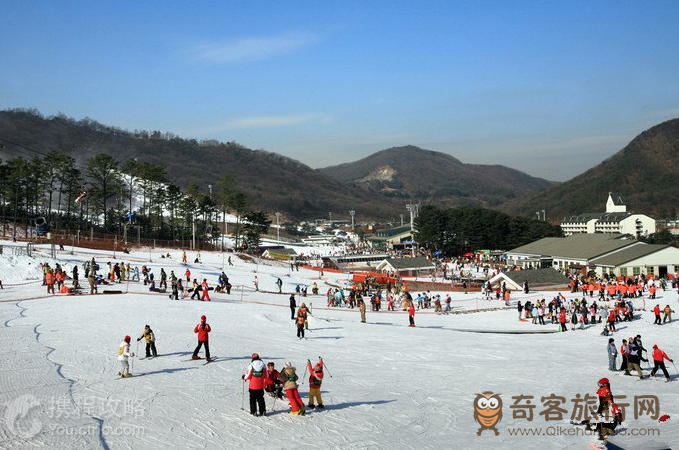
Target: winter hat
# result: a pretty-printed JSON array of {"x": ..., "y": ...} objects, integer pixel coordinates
[
  {"x": 203, "y": 318},
  {"x": 147, "y": 326},
  {"x": 655, "y": 346},
  {"x": 604, "y": 381},
  {"x": 288, "y": 364},
  {"x": 270, "y": 363},
  {"x": 127, "y": 338}
]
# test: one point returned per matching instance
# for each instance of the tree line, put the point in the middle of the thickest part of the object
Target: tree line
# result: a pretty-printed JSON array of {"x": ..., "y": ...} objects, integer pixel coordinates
[
  {"x": 456, "y": 231},
  {"x": 110, "y": 196}
]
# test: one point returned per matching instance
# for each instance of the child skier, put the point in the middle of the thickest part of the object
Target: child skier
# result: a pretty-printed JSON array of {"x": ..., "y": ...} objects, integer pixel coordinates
[
  {"x": 257, "y": 375},
  {"x": 289, "y": 379},
  {"x": 271, "y": 384},
  {"x": 315, "y": 380},
  {"x": 202, "y": 329},
  {"x": 123, "y": 356},
  {"x": 411, "y": 315},
  {"x": 300, "y": 326},
  {"x": 150, "y": 339}
]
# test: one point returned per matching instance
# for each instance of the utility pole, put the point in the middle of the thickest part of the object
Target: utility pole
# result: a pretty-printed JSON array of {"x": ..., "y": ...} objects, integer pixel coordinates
[{"x": 278, "y": 227}]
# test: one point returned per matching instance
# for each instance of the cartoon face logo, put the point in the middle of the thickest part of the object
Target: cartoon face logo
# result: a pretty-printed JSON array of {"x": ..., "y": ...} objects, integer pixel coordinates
[{"x": 488, "y": 411}]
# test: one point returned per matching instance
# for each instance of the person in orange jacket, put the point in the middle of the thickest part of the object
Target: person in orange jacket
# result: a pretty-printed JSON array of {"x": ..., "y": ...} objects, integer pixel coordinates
[
  {"x": 659, "y": 358},
  {"x": 411, "y": 314},
  {"x": 49, "y": 281},
  {"x": 562, "y": 319},
  {"x": 605, "y": 395},
  {"x": 315, "y": 380},
  {"x": 271, "y": 384},
  {"x": 206, "y": 294}
]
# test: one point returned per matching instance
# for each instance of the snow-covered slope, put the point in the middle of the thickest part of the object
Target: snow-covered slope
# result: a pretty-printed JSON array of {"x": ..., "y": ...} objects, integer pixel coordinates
[{"x": 387, "y": 385}]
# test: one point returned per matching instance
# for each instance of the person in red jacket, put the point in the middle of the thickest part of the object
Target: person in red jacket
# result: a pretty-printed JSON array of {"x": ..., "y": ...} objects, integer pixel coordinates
[
  {"x": 562, "y": 319},
  {"x": 271, "y": 384},
  {"x": 315, "y": 380},
  {"x": 656, "y": 311},
  {"x": 203, "y": 329},
  {"x": 605, "y": 395},
  {"x": 411, "y": 314},
  {"x": 611, "y": 320},
  {"x": 206, "y": 295},
  {"x": 257, "y": 375},
  {"x": 659, "y": 358}
]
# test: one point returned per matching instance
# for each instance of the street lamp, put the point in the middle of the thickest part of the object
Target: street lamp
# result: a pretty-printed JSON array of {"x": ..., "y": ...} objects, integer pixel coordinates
[
  {"x": 278, "y": 226},
  {"x": 352, "y": 213}
]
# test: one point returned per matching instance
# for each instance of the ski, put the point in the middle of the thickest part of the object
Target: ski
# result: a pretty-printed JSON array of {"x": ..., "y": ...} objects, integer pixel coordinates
[{"x": 209, "y": 360}]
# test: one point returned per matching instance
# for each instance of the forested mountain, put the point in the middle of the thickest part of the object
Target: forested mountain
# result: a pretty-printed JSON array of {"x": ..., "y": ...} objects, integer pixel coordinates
[
  {"x": 271, "y": 181},
  {"x": 432, "y": 177},
  {"x": 644, "y": 174}
]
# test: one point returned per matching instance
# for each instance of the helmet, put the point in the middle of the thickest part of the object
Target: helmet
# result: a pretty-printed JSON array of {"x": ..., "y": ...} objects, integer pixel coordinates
[
  {"x": 127, "y": 338},
  {"x": 255, "y": 356},
  {"x": 203, "y": 318},
  {"x": 603, "y": 381}
]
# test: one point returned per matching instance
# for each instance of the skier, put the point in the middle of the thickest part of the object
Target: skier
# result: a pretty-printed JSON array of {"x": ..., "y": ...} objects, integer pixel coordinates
[
  {"x": 293, "y": 305},
  {"x": 656, "y": 311},
  {"x": 188, "y": 275},
  {"x": 361, "y": 309},
  {"x": 633, "y": 356},
  {"x": 300, "y": 326},
  {"x": 203, "y": 329},
  {"x": 304, "y": 312},
  {"x": 612, "y": 354},
  {"x": 76, "y": 283},
  {"x": 49, "y": 281},
  {"x": 206, "y": 294},
  {"x": 608, "y": 428},
  {"x": 123, "y": 356},
  {"x": 279, "y": 283},
  {"x": 659, "y": 358},
  {"x": 271, "y": 384},
  {"x": 255, "y": 282},
  {"x": 150, "y": 339},
  {"x": 624, "y": 350},
  {"x": 184, "y": 258},
  {"x": 289, "y": 379},
  {"x": 257, "y": 375},
  {"x": 315, "y": 380}
]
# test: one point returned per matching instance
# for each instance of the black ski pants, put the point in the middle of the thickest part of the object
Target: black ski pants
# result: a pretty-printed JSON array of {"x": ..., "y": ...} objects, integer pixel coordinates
[
  {"x": 207, "y": 349},
  {"x": 257, "y": 399},
  {"x": 660, "y": 365}
]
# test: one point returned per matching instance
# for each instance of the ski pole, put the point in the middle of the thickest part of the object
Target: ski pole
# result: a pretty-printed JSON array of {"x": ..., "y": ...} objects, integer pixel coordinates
[
  {"x": 675, "y": 367},
  {"x": 242, "y": 397},
  {"x": 273, "y": 407},
  {"x": 325, "y": 367},
  {"x": 304, "y": 376}
]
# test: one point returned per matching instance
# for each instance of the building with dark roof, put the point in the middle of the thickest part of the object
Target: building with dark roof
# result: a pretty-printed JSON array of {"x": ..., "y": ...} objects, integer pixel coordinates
[{"x": 602, "y": 253}]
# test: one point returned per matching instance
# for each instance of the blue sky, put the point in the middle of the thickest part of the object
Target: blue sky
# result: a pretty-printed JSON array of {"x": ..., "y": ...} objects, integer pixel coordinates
[{"x": 548, "y": 87}]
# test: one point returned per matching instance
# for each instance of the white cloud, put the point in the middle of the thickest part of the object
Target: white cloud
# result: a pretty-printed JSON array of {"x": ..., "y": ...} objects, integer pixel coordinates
[
  {"x": 250, "y": 48},
  {"x": 275, "y": 121}
]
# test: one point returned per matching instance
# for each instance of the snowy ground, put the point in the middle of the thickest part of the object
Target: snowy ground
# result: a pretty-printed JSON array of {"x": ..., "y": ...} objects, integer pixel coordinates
[{"x": 386, "y": 386}]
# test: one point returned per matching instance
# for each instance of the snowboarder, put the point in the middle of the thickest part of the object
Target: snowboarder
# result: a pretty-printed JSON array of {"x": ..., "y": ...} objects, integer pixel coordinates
[
  {"x": 150, "y": 339},
  {"x": 612, "y": 354},
  {"x": 315, "y": 380},
  {"x": 123, "y": 356},
  {"x": 289, "y": 379},
  {"x": 659, "y": 358},
  {"x": 258, "y": 376},
  {"x": 202, "y": 329},
  {"x": 293, "y": 306}
]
